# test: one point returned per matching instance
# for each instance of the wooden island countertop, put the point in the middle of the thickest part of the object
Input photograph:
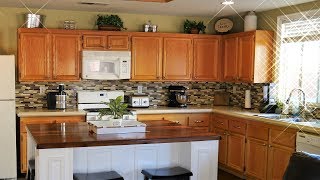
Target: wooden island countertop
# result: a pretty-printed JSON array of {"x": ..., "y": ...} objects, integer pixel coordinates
[{"x": 68, "y": 135}]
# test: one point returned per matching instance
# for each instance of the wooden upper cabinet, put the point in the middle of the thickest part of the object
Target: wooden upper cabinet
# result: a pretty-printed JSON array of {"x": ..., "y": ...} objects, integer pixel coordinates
[
  {"x": 248, "y": 57},
  {"x": 97, "y": 42},
  {"x": 245, "y": 58},
  {"x": 66, "y": 56},
  {"x": 34, "y": 56},
  {"x": 118, "y": 42},
  {"x": 230, "y": 48},
  {"x": 206, "y": 54},
  {"x": 177, "y": 60},
  {"x": 146, "y": 58}
]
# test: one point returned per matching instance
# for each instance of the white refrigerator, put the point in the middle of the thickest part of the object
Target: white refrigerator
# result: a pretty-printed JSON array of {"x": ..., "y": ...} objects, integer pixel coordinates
[{"x": 8, "y": 159}]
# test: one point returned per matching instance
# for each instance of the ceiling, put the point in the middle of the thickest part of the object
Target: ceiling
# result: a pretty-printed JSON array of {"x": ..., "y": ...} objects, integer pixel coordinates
[{"x": 176, "y": 7}]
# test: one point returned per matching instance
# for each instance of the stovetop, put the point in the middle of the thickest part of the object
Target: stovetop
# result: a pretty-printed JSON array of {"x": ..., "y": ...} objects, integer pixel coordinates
[{"x": 94, "y": 109}]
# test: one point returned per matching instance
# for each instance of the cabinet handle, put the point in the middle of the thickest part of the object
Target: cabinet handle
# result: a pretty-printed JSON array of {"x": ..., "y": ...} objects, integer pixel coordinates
[
  {"x": 199, "y": 121},
  {"x": 237, "y": 127},
  {"x": 264, "y": 144},
  {"x": 177, "y": 122},
  {"x": 270, "y": 146},
  {"x": 224, "y": 133}
]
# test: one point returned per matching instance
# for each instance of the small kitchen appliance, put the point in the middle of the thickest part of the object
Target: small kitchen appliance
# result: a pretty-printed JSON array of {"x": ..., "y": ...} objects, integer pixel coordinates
[
  {"x": 93, "y": 101},
  {"x": 138, "y": 101},
  {"x": 106, "y": 65},
  {"x": 61, "y": 98},
  {"x": 177, "y": 96},
  {"x": 51, "y": 100}
]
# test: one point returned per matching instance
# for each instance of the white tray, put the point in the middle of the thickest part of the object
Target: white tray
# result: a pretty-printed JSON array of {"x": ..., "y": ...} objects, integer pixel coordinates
[{"x": 109, "y": 127}]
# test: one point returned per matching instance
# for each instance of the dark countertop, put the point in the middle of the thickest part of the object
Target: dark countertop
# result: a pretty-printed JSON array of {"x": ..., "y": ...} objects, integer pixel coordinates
[{"x": 68, "y": 135}]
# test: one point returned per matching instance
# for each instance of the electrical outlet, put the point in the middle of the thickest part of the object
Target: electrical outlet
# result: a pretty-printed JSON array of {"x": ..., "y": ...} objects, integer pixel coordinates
[
  {"x": 43, "y": 90},
  {"x": 140, "y": 89},
  {"x": 234, "y": 90}
]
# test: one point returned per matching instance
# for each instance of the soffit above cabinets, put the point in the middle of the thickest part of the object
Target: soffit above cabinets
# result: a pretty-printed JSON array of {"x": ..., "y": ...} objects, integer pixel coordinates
[{"x": 207, "y": 8}]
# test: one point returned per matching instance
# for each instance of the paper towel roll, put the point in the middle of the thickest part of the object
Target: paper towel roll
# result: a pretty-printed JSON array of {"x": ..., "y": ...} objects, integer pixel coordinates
[{"x": 247, "y": 99}]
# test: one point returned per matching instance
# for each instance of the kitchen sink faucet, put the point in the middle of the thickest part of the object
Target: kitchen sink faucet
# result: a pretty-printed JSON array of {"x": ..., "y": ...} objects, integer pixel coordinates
[{"x": 303, "y": 95}]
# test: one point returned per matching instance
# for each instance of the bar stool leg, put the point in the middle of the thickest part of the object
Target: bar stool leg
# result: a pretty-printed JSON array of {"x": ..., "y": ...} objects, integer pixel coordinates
[{"x": 145, "y": 178}]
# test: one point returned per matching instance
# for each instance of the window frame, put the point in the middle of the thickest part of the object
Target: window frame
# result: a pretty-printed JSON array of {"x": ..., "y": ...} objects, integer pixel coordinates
[{"x": 287, "y": 18}]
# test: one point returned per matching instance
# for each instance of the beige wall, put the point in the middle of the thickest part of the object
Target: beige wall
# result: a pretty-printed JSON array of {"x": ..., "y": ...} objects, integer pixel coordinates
[
  {"x": 12, "y": 18},
  {"x": 268, "y": 19}
]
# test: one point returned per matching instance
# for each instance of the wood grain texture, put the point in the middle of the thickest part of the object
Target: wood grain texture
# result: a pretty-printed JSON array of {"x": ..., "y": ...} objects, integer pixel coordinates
[
  {"x": 118, "y": 42},
  {"x": 236, "y": 151},
  {"x": 78, "y": 135},
  {"x": 94, "y": 42},
  {"x": 230, "y": 62},
  {"x": 206, "y": 59},
  {"x": 245, "y": 58},
  {"x": 146, "y": 58},
  {"x": 34, "y": 56},
  {"x": 66, "y": 56},
  {"x": 177, "y": 60}
]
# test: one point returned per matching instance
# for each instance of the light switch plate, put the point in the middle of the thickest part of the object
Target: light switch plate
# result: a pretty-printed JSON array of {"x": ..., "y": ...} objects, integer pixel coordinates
[
  {"x": 140, "y": 89},
  {"x": 43, "y": 90}
]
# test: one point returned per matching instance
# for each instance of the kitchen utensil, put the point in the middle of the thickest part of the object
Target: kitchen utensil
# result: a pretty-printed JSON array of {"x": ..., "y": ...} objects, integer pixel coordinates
[
  {"x": 34, "y": 20},
  {"x": 61, "y": 98},
  {"x": 178, "y": 96}
]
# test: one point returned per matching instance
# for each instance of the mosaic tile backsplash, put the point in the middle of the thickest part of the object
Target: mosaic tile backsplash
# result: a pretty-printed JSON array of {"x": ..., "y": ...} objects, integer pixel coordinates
[{"x": 200, "y": 93}]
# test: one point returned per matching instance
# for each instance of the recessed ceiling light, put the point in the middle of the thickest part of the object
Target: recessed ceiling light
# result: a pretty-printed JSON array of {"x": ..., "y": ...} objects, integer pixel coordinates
[{"x": 227, "y": 2}]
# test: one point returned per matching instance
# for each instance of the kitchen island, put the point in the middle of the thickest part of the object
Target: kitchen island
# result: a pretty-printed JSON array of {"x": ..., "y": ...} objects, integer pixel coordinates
[{"x": 62, "y": 149}]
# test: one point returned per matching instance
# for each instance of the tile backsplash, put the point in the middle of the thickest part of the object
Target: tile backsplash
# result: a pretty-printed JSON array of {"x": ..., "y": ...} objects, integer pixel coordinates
[{"x": 200, "y": 93}]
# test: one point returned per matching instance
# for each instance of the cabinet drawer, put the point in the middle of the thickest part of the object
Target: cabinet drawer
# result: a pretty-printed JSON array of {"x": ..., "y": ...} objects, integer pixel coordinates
[
  {"x": 220, "y": 121},
  {"x": 258, "y": 132},
  {"x": 283, "y": 137},
  {"x": 237, "y": 126},
  {"x": 199, "y": 120}
]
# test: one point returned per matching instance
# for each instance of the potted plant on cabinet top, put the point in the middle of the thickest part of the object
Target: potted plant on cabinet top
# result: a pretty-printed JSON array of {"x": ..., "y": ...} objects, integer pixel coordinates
[
  {"x": 109, "y": 23},
  {"x": 116, "y": 111},
  {"x": 192, "y": 27}
]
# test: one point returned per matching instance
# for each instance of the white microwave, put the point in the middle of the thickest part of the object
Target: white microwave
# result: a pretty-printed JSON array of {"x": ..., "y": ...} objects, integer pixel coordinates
[{"x": 106, "y": 65}]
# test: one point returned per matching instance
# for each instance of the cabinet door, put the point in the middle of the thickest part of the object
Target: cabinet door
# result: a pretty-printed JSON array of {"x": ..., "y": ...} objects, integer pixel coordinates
[
  {"x": 236, "y": 148},
  {"x": 177, "y": 59},
  {"x": 146, "y": 58},
  {"x": 118, "y": 43},
  {"x": 66, "y": 53},
  {"x": 34, "y": 56},
  {"x": 278, "y": 161},
  {"x": 256, "y": 158},
  {"x": 230, "y": 49},
  {"x": 246, "y": 58},
  {"x": 23, "y": 153},
  {"x": 206, "y": 59},
  {"x": 94, "y": 42},
  {"x": 223, "y": 146}
]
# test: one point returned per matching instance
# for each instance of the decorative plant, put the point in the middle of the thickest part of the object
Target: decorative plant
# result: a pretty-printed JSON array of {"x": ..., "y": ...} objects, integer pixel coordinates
[
  {"x": 110, "y": 20},
  {"x": 189, "y": 26},
  {"x": 116, "y": 108}
]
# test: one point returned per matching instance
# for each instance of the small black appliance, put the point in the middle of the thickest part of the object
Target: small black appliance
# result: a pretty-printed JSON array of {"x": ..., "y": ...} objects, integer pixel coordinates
[
  {"x": 177, "y": 96},
  {"x": 51, "y": 100}
]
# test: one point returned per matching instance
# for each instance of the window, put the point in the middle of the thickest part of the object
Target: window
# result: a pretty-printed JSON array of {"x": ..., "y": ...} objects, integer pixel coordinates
[{"x": 299, "y": 55}]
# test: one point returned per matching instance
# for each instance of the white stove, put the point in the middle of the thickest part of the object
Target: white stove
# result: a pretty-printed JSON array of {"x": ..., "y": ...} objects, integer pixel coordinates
[{"x": 93, "y": 101}]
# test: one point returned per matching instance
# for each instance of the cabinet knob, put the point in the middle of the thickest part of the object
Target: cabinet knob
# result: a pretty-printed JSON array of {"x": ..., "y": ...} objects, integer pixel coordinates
[
  {"x": 224, "y": 133},
  {"x": 264, "y": 144},
  {"x": 270, "y": 146},
  {"x": 198, "y": 121},
  {"x": 237, "y": 127}
]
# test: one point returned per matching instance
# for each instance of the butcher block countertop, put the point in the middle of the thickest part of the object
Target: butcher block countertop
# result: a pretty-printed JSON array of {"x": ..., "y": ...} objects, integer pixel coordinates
[{"x": 69, "y": 135}]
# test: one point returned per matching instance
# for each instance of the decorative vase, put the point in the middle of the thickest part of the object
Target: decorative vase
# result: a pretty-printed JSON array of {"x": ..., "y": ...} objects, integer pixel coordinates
[
  {"x": 194, "y": 31},
  {"x": 250, "y": 21},
  {"x": 108, "y": 28}
]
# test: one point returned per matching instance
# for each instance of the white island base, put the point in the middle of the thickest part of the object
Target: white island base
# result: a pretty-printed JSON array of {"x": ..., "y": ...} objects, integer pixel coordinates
[{"x": 201, "y": 157}]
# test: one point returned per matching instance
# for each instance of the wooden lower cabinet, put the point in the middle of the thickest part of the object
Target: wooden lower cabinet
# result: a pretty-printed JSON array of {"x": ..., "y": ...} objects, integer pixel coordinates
[
  {"x": 223, "y": 146},
  {"x": 278, "y": 161},
  {"x": 236, "y": 151},
  {"x": 256, "y": 158},
  {"x": 39, "y": 120}
]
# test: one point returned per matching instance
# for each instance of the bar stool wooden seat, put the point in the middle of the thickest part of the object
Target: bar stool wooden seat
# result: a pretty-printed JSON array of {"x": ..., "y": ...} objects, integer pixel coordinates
[
  {"x": 174, "y": 173},
  {"x": 111, "y": 175}
]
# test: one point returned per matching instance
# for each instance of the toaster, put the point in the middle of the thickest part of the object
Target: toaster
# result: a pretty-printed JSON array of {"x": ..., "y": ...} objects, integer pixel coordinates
[{"x": 138, "y": 101}]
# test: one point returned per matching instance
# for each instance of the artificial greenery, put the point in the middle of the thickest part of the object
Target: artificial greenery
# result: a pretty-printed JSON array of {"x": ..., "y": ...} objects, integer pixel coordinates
[
  {"x": 116, "y": 109},
  {"x": 189, "y": 25},
  {"x": 111, "y": 20}
]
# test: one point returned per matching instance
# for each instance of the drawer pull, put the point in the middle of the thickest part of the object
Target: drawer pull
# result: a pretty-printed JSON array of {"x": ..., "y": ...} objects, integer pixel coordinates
[
  {"x": 199, "y": 121},
  {"x": 177, "y": 122},
  {"x": 224, "y": 133},
  {"x": 237, "y": 127},
  {"x": 220, "y": 122},
  {"x": 264, "y": 144}
]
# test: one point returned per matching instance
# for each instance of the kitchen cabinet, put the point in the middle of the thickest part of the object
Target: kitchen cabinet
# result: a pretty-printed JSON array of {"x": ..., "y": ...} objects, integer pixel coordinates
[
  {"x": 206, "y": 59},
  {"x": 146, "y": 58},
  {"x": 223, "y": 146},
  {"x": 248, "y": 57},
  {"x": 177, "y": 58},
  {"x": 257, "y": 158},
  {"x": 49, "y": 55},
  {"x": 236, "y": 147},
  {"x": 66, "y": 56},
  {"x": 34, "y": 56},
  {"x": 115, "y": 41},
  {"x": 39, "y": 120}
]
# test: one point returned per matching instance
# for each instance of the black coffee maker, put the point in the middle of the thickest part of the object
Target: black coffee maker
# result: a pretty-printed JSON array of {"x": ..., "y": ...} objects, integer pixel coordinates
[{"x": 177, "y": 96}]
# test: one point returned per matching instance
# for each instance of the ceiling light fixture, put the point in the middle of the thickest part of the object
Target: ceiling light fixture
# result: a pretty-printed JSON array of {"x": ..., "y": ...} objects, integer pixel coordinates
[{"x": 227, "y": 2}]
